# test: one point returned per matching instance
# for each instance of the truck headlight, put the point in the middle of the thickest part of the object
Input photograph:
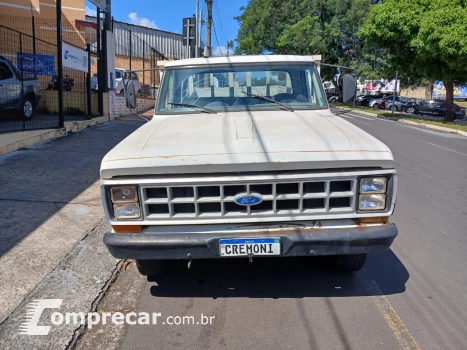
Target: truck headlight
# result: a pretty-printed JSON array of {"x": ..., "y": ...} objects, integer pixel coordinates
[
  {"x": 123, "y": 194},
  {"x": 125, "y": 202},
  {"x": 372, "y": 202},
  {"x": 127, "y": 211},
  {"x": 373, "y": 185}
]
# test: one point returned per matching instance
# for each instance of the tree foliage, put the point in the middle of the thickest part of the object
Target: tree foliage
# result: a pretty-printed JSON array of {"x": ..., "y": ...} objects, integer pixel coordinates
[
  {"x": 425, "y": 38},
  {"x": 306, "y": 27},
  {"x": 422, "y": 39}
]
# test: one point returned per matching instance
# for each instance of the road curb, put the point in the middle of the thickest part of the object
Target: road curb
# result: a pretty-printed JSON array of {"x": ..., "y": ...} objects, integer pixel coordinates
[
  {"x": 428, "y": 126},
  {"x": 33, "y": 137}
]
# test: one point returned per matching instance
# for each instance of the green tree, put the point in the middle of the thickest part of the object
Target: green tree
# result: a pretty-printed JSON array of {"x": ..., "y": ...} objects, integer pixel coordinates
[
  {"x": 424, "y": 38},
  {"x": 306, "y": 27}
]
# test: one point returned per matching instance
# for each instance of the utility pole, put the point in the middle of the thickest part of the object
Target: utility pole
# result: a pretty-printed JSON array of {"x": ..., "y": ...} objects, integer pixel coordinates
[
  {"x": 197, "y": 28},
  {"x": 395, "y": 92},
  {"x": 207, "y": 51},
  {"x": 200, "y": 28}
]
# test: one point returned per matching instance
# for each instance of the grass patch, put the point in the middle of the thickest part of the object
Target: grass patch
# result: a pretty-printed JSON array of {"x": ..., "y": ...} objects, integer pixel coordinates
[{"x": 449, "y": 125}]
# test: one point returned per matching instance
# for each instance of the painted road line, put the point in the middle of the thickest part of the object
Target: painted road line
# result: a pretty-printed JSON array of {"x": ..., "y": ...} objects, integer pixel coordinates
[
  {"x": 393, "y": 320},
  {"x": 360, "y": 117},
  {"x": 447, "y": 149},
  {"x": 361, "y": 121},
  {"x": 374, "y": 118},
  {"x": 367, "y": 118}
]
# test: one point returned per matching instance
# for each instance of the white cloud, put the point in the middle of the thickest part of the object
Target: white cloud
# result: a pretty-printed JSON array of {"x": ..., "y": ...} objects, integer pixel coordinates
[
  {"x": 90, "y": 12},
  {"x": 222, "y": 51},
  {"x": 141, "y": 21}
]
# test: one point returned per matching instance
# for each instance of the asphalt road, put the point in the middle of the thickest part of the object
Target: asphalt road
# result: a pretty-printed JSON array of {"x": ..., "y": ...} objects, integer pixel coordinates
[{"x": 412, "y": 296}]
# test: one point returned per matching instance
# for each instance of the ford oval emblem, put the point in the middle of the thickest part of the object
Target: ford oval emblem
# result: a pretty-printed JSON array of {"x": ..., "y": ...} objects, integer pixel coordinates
[{"x": 248, "y": 198}]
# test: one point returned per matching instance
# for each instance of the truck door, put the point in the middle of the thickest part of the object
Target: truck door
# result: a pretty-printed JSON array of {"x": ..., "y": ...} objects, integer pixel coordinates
[
  {"x": 439, "y": 108},
  {"x": 426, "y": 107},
  {"x": 10, "y": 87}
]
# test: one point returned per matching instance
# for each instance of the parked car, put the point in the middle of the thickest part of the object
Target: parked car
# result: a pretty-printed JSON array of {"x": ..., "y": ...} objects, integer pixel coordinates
[
  {"x": 380, "y": 103},
  {"x": 119, "y": 72},
  {"x": 374, "y": 102},
  {"x": 401, "y": 104},
  {"x": 302, "y": 181},
  {"x": 19, "y": 94},
  {"x": 332, "y": 96},
  {"x": 366, "y": 99},
  {"x": 435, "y": 108}
]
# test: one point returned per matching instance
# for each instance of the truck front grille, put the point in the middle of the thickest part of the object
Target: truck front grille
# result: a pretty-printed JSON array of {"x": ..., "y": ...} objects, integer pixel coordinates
[{"x": 281, "y": 198}]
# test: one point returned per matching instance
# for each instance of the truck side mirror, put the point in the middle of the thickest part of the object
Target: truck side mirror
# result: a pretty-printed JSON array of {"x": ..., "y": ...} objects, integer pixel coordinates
[
  {"x": 349, "y": 88},
  {"x": 129, "y": 90}
]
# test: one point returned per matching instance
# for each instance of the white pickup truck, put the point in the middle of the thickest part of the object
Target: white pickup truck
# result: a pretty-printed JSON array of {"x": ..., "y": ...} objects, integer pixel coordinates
[{"x": 243, "y": 158}]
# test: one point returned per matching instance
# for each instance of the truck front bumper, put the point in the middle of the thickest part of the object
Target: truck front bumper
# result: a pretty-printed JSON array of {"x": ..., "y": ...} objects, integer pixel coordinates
[{"x": 297, "y": 239}]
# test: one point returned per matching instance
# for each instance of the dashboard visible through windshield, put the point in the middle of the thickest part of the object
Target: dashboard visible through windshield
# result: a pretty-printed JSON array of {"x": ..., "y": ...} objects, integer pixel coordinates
[{"x": 208, "y": 89}]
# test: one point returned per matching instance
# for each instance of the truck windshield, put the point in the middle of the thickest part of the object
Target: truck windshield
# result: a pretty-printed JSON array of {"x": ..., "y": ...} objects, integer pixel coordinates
[{"x": 241, "y": 87}]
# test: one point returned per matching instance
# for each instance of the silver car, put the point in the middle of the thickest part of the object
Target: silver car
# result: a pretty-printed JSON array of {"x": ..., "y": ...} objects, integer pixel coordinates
[{"x": 18, "y": 93}]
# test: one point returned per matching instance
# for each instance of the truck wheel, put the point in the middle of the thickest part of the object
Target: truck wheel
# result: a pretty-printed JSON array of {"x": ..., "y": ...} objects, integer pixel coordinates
[
  {"x": 27, "y": 108},
  {"x": 349, "y": 263},
  {"x": 151, "y": 267}
]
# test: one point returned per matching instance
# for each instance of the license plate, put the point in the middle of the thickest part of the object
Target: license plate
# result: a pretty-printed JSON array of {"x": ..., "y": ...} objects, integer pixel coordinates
[{"x": 247, "y": 246}]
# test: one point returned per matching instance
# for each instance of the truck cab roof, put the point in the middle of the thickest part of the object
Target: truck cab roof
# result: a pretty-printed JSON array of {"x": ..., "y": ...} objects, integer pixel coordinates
[{"x": 209, "y": 61}]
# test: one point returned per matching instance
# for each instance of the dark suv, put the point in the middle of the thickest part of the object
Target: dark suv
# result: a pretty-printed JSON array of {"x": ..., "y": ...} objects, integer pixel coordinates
[{"x": 436, "y": 108}]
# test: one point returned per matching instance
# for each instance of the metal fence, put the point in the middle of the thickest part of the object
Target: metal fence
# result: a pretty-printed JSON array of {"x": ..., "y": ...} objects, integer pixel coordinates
[
  {"x": 138, "y": 49},
  {"x": 29, "y": 96}
]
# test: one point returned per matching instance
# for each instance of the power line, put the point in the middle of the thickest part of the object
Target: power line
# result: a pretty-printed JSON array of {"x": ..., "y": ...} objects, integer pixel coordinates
[
  {"x": 217, "y": 40},
  {"x": 220, "y": 19}
]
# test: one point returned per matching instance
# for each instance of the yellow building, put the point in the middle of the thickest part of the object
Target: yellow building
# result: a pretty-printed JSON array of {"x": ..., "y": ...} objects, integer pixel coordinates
[
  {"x": 18, "y": 15},
  {"x": 71, "y": 9}
]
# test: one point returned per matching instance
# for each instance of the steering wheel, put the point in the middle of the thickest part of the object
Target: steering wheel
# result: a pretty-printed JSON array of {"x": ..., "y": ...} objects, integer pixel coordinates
[{"x": 284, "y": 96}]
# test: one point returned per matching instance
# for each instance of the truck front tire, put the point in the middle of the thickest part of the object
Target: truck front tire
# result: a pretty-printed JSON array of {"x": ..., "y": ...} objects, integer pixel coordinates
[
  {"x": 348, "y": 263},
  {"x": 151, "y": 267}
]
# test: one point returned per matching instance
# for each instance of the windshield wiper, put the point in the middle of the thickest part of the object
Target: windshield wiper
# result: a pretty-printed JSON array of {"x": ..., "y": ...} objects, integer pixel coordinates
[
  {"x": 264, "y": 98},
  {"x": 205, "y": 110}
]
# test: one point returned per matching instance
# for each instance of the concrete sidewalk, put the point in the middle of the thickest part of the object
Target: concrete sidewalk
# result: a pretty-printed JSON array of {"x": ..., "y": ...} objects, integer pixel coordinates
[
  {"x": 52, "y": 225},
  {"x": 12, "y": 141}
]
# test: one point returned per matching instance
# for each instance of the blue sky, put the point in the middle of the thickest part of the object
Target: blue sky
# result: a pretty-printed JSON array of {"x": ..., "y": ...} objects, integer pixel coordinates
[{"x": 168, "y": 14}]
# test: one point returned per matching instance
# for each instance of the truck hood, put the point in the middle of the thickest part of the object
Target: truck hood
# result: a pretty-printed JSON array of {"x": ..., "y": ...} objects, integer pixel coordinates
[{"x": 245, "y": 142}]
